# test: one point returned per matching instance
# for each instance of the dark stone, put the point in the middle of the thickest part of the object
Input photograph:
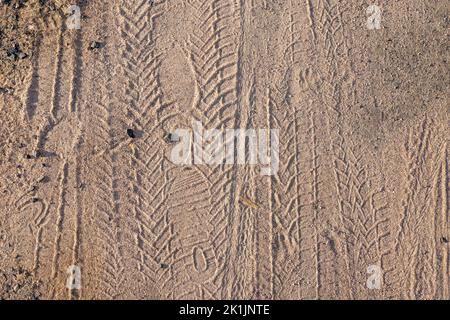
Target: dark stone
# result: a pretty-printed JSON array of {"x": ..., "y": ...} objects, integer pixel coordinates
[{"x": 131, "y": 133}]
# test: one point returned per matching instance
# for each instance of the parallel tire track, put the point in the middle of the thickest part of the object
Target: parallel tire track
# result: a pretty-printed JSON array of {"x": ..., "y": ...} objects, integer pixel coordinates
[
  {"x": 214, "y": 53},
  {"x": 143, "y": 108}
]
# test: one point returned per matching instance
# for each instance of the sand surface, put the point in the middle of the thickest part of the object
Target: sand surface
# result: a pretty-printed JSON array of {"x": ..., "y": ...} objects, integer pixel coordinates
[{"x": 359, "y": 208}]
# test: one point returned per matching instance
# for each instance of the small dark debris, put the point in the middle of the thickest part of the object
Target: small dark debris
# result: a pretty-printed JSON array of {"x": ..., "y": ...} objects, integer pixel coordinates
[
  {"x": 18, "y": 283},
  {"x": 15, "y": 53},
  {"x": 172, "y": 138},
  {"x": 28, "y": 156},
  {"x": 34, "y": 200},
  {"x": 131, "y": 133},
  {"x": 444, "y": 240},
  {"x": 164, "y": 266},
  {"x": 96, "y": 45}
]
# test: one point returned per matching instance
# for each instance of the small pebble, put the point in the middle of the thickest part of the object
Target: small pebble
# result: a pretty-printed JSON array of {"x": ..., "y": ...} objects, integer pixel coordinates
[
  {"x": 95, "y": 45},
  {"x": 6, "y": 90},
  {"x": 131, "y": 134},
  {"x": 44, "y": 179},
  {"x": 22, "y": 55}
]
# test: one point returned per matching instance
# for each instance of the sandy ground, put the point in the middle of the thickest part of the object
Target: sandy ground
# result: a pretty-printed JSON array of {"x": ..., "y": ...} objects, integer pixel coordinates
[{"x": 357, "y": 210}]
